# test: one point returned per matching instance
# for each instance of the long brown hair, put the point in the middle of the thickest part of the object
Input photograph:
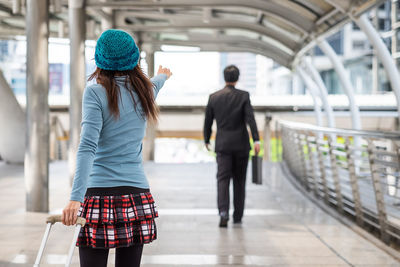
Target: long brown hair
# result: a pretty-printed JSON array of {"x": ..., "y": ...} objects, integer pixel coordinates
[{"x": 139, "y": 82}]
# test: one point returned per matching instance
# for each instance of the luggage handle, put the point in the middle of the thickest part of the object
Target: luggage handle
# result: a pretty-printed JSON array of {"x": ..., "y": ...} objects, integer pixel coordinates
[
  {"x": 57, "y": 218},
  {"x": 80, "y": 222}
]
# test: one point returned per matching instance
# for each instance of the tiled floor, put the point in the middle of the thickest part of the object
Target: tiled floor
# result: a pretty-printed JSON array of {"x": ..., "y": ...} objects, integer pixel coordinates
[{"x": 280, "y": 228}]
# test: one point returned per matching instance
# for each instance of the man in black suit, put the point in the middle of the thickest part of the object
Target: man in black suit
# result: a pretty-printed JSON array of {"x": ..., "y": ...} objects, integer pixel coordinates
[{"x": 231, "y": 108}]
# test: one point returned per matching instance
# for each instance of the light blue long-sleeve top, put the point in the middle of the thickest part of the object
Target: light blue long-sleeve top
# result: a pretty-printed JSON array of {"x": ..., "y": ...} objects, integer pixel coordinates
[{"x": 110, "y": 151}]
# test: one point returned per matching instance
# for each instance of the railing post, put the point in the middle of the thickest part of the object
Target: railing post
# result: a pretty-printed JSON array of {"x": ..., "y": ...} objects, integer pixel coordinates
[
  {"x": 380, "y": 202},
  {"x": 322, "y": 170},
  {"x": 279, "y": 156},
  {"x": 354, "y": 184},
  {"x": 267, "y": 137},
  {"x": 293, "y": 154},
  {"x": 396, "y": 148},
  {"x": 303, "y": 167},
  {"x": 312, "y": 165},
  {"x": 335, "y": 175},
  {"x": 283, "y": 145}
]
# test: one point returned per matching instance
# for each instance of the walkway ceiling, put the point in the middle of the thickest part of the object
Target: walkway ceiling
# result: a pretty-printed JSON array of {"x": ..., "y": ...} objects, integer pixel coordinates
[{"x": 279, "y": 29}]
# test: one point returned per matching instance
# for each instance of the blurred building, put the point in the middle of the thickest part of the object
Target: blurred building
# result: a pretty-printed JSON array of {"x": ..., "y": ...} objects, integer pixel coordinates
[{"x": 366, "y": 73}]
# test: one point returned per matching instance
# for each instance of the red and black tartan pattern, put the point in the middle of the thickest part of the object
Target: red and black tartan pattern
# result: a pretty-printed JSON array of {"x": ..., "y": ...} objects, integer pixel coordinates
[{"x": 118, "y": 221}]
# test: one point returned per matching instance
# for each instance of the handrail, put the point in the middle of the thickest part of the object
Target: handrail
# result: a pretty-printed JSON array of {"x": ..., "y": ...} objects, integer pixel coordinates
[
  {"x": 354, "y": 171},
  {"x": 340, "y": 131}
]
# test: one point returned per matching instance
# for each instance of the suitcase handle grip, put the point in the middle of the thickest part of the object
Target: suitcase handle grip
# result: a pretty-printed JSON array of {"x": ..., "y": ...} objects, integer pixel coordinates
[{"x": 57, "y": 218}]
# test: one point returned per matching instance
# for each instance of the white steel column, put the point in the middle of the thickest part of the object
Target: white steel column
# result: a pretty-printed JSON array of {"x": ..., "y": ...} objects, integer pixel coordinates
[
  {"x": 323, "y": 91},
  {"x": 37, "y": 107},
  {"x": 345, "y": 81},
  {"x": 77, "y": 34},
  {"x": 383, "y": 55},
  {"x": 313, "y": 89}
]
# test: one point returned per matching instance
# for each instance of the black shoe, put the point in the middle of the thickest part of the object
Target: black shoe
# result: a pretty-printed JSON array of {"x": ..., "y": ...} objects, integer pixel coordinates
[
  {"x": 223, "y": 222},
  {"x": 237, "y": 221}
]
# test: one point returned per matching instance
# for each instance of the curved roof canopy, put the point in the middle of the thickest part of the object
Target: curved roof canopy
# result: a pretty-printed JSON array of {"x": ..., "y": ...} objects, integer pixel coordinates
[{"x": 279, "y": 29}]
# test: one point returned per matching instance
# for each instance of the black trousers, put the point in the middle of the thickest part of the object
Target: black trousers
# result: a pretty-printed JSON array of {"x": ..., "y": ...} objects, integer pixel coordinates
[
  {"x": 97, "y": 257},
  {"x": 232, "y": 165}
]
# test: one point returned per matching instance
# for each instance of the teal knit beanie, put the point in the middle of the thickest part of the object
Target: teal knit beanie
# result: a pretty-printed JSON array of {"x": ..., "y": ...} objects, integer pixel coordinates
[{"x": 116, "y": 50}]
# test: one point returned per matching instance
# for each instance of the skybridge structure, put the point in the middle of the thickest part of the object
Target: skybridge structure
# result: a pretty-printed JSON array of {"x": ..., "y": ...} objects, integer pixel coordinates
[{"x": 349, "y": 177}]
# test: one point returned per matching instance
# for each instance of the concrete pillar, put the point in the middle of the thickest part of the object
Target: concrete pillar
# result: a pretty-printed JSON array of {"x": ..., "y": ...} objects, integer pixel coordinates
[
  {"x": 151, "y": 130},
  {"x": 107, "y": 20},
  {"x": 12, "y": 137},
  {"x": 77, "y": 35},
  {"x": 149, "y": 142},
  {"x": 37, "y": 108},
  {"x": 107, "y": 23},
  {"x": 150, "y": 63}
]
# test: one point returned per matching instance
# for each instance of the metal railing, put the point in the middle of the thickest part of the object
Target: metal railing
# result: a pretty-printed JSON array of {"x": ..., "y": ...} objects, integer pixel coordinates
[{"x": 355, "y": 172}]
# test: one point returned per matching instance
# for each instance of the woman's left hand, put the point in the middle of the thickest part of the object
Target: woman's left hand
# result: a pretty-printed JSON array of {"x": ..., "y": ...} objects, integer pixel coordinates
[
  {"x": 70, "y": 213},
  {"x": 165, "y": 71}
]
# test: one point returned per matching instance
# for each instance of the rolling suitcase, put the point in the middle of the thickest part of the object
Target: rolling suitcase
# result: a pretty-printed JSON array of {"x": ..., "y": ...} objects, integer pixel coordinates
[
  {"x": 256, "y": 163},
  {"x": 50, "y": 221}
]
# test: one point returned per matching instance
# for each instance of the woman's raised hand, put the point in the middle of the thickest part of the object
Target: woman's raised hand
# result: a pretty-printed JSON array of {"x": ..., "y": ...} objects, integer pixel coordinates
[{"x": 165, "y": 71}]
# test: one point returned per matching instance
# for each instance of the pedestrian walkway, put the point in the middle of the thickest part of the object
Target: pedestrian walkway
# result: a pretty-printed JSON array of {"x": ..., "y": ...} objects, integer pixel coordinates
[{"x": 280, "y": 228}]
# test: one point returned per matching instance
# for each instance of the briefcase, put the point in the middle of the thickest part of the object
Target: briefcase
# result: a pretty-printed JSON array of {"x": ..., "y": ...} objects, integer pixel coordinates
[{"x": 256, "y": 163}]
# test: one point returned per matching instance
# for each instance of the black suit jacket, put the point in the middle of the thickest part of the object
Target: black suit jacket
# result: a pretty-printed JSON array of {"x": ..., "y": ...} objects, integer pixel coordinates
[{"x": 231, "y": 108}]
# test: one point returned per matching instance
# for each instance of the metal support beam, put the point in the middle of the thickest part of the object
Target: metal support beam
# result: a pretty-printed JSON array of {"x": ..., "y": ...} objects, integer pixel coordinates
[
  {"x": 323, "y": 91},
  {"x": 77, "y": 33},
  {"x": 227, "y": 44},
  {"x": 190, "y": 21},
  {"x": 276, "y": 39},
  {"x": 37, "y": 107},
  {"x": 283, "y": 14},
  {"x": 313, "y": 89},
  {"x": 383, "y": 55},
  {"x": 344, "y": 80}
]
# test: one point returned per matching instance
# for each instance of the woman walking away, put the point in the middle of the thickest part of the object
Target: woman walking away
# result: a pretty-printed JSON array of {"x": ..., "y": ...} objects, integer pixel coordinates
[{"x": 110, "y": 189}]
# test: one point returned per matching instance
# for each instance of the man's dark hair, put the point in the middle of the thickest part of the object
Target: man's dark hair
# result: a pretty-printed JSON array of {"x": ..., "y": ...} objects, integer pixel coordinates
[{"x": 231, "y": 74}]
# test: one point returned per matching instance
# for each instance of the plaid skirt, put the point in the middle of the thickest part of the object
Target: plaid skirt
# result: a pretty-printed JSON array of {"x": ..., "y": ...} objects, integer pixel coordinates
[{"x": 114, "y": 221}]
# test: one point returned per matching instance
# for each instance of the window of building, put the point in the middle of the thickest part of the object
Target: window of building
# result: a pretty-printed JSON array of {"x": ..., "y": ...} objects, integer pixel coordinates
[
  {"x": 355, "y": 26},
  {"x": 336, "y": 41},
  {"x": 358, "y": 45}
]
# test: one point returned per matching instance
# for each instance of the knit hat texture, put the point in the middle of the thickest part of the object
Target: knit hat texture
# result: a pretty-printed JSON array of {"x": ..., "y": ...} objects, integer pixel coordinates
[{"x": 116, "y": 50}]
